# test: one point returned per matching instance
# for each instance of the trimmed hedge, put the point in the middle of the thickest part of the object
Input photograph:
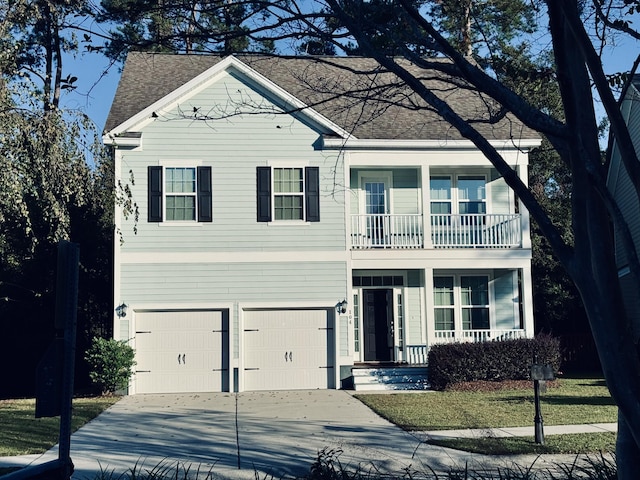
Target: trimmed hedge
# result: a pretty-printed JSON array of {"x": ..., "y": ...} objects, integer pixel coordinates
[{"x": 490, "y": 361}]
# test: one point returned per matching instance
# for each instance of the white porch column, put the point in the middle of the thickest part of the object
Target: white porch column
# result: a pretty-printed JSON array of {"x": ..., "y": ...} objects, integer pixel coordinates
[
  {"x": 427, "y": 316},
  {"x": 426, "y": 205},
  {"x": 527, "y": 301},
  {"x": 525, "y": 222}
]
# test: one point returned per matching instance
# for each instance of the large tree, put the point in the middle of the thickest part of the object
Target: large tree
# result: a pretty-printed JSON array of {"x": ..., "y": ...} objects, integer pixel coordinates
[
  {"x": 52, "y": 187},
  {"x": 185, "y": 26}
]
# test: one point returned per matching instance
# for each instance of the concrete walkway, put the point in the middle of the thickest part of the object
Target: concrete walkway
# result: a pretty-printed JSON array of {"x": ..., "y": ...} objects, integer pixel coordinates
[
  {"x": 259, "y": 435},
  {"x": 518, "y": 431}
]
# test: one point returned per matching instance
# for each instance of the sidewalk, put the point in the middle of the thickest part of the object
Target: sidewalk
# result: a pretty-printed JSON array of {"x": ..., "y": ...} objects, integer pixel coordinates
[{"x": 517, "y": 431}]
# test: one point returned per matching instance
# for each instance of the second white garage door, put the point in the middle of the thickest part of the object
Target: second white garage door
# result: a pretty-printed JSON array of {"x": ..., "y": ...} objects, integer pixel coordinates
[
  {"x": 181, "y": 351},
  {"x": 288, "y": 349}
]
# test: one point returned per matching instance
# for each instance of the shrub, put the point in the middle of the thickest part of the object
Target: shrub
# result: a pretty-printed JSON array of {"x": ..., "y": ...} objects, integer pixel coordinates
[
  {"x": 490, "y": 361},
  {"x": 110, "y": 362}
]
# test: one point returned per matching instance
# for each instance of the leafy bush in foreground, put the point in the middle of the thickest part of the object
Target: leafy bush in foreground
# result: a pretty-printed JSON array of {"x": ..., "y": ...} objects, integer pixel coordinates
[
  {"x": 110, "y": 362},
  {"x": 491, "y": 361}
]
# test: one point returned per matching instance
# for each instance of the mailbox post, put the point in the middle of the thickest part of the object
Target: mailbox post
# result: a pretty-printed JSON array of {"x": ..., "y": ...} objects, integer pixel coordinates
[{"x": 539, "y": 373}]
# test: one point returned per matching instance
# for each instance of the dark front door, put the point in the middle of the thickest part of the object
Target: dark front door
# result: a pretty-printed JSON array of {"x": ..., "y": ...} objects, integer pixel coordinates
[{"x": 378, "y": 325}]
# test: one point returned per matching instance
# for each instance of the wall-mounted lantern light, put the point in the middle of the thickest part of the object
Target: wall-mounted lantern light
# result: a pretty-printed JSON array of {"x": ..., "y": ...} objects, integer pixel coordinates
[
  {"x": 121, "y": 310},
  {"x": 341, "y": 307}
]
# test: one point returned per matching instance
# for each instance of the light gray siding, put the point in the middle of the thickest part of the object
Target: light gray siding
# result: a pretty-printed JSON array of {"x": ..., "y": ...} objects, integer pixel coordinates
[
  {"x": 624, "y": 192},
  {"x": 233, "y": 145},
  {"x": 505, "y": 290},
  {"x": 406, "y": 198},
  {"x": 501, "y": 196},
  {"x": 413, "y": 301},
  {"x": 160, "y": 284}
]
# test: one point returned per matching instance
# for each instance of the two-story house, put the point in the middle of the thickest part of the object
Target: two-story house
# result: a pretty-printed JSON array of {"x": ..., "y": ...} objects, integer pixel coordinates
[{"x": 298, "y": 220}]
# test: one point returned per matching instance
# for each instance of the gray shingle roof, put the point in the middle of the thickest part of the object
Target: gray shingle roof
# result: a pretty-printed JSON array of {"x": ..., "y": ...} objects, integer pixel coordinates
[{"x": 373, "y": 105}]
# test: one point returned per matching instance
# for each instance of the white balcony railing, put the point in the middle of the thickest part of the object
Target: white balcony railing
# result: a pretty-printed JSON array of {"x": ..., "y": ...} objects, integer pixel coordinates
[
  {"x": 453, "y": 336},
  {"x": 387, "y": 231},
  {"x": 447, "y": 231},
  {"x": 477, "y": 230}
]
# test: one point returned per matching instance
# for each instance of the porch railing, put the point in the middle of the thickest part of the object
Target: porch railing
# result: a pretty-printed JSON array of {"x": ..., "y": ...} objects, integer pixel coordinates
[
  {"x": 452, "y": 336},
  {"x": 476, "y": 230},
  {"x": 417, "y": 354},
  {"x": 447, "y": 231},
  {"x": 387, "y": 231}
]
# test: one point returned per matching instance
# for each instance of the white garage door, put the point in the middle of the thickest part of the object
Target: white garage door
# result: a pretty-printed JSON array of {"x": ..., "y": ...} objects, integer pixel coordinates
[
  {"x": 288, "y": 349},
  {"x": 181, "y": 351}
]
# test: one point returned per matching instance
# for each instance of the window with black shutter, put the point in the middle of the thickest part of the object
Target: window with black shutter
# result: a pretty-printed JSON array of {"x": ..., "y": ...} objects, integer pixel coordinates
[
  {"x": 288, "y": 194},
  {"x": 180, "y": 194}
]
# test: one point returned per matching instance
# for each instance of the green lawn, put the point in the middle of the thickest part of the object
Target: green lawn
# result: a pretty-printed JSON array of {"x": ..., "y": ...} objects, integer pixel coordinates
[
  {"x": 568, "y": 401},
  {"x": 21, "y": 433},
  {"x": 571, "y": 401}
]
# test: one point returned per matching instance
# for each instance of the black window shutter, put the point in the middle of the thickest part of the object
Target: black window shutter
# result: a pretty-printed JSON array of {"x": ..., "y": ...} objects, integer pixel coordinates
[
  {"x": 205, "y": 195},
  {"x": 154, "y": 185},
  {"x": 312, "y": 193},
  {"x": 264, "y": 193}
]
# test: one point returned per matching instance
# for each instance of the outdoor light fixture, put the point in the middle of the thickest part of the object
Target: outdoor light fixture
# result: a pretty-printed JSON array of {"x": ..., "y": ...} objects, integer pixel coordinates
[
  {"x": 121, "y": 310},
  {"x": 341, "y": 307}
]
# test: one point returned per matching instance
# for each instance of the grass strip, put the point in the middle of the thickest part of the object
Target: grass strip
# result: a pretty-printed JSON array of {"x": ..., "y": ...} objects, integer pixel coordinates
[
  {"x": 574, "y": 443},
  {"x": 22, "y": 434}
]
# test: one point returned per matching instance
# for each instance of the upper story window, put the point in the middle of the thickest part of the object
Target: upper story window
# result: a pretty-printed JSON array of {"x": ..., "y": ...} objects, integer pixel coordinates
[
  {"x": 465, "y": 194},
  {"x": 288, "y": 194},
  {"x": 179, "y": 194}
]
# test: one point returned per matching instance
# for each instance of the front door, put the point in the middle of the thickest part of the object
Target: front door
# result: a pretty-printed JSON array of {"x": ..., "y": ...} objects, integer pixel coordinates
[{"x": 378, "y": 325}]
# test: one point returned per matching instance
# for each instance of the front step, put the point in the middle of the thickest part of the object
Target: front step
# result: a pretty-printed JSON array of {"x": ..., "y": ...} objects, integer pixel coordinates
[{"x": 390, "y": 378}]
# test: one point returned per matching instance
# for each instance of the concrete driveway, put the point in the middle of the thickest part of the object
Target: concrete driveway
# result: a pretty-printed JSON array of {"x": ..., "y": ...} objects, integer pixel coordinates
[{"x": 277, "y": 433}]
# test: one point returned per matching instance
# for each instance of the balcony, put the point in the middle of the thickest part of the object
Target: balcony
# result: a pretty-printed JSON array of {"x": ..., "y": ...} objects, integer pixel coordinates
[{"x": 447, "y": 231}]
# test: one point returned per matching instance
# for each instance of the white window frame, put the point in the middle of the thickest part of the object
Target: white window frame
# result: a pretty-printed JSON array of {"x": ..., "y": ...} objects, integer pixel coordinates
[
  {"x": 457, "y": 306},
  {"x": 301, "y": 194},
  {"x": 454, "y": 197},
  {"x": 166, "y": 193}
]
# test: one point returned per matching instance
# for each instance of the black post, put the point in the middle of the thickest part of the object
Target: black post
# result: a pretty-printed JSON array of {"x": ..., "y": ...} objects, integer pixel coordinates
[
  {"x": 66, "y": 317},
  {"x": 537, "y": 420}
]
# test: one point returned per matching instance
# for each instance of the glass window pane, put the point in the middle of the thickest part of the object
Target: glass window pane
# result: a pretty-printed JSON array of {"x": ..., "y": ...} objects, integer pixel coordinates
[
  {"x": 440, "y": 188},
  {"x": 441, "y": 208},
  {"x": 475, "y": 318},
  {"x": 444, "y": 319},
  {"x": 288, "y": 207},
  {"x": 375, "y": 198},
  {"x": 473, "y": 207},
  {"x": 474, "y": 290},
  {"x": 443, "y": 290},
  {"x": 180, "y": 208},
  {"x": 287, "y": 180},
  {"x": 471, "y": 188}
]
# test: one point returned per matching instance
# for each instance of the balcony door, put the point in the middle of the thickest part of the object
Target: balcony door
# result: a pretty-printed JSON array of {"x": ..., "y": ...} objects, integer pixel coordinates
[{"x": 376, "y": 202}]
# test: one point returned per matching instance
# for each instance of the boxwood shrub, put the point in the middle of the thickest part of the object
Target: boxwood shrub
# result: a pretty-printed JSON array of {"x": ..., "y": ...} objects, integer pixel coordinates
[{"x": 490, "y": 361}]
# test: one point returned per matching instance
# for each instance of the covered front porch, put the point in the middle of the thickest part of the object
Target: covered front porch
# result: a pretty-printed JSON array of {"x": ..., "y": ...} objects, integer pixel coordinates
[{"x": 398, "y": 314}]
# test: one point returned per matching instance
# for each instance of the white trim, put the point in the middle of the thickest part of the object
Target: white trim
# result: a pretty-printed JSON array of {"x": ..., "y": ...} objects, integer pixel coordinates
[
  {"x": 179, "y": 162},
  {"x": 134, "y": 258},
  {"x": 208, "y": 77},
  {"x": 380, "y": 144}
]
